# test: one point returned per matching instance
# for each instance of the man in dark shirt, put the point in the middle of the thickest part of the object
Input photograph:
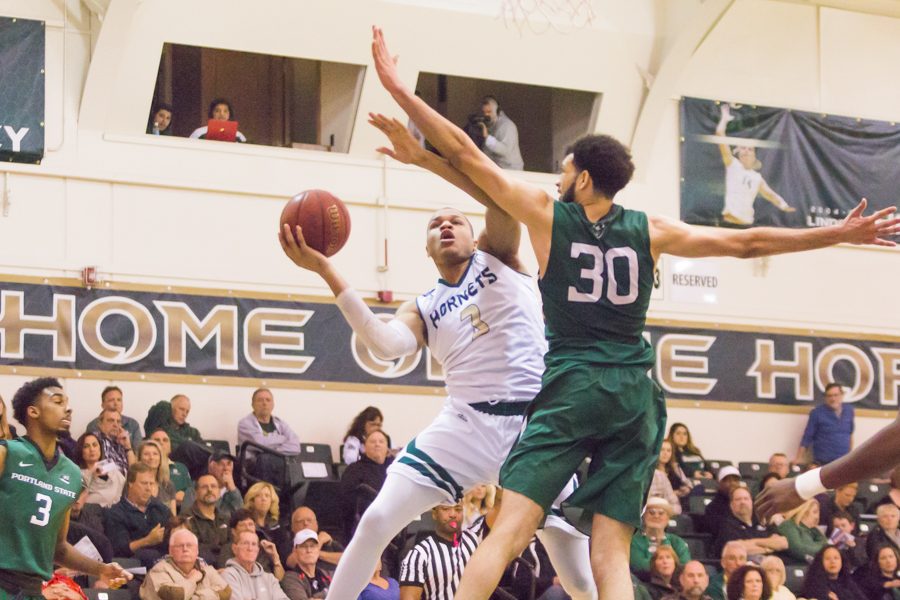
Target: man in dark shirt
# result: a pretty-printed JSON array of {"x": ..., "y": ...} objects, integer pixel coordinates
[
  {"x": 829, "y": 430},
  {"x": 136, "y": 525},
  {"x": 717, "y": 510},
  {"x": 742, "y": 525},
  {"x": 208, "y": 522}
]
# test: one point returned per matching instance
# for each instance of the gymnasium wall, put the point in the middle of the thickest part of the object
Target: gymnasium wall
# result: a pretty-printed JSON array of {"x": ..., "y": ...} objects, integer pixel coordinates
[{"x": 170, "y": 211}]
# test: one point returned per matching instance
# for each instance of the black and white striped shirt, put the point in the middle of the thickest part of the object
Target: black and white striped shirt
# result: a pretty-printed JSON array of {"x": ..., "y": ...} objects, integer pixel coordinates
[{"x": 436, "y": 566}]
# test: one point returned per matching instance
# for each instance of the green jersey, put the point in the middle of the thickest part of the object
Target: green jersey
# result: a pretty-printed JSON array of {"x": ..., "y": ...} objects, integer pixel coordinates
[
  {"x": 596, "y": 289},
  {"x": 35, "y": 497}
]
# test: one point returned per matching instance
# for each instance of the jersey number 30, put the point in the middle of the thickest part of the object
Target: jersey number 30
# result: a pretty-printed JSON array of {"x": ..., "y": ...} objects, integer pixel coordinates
[
  {"x": 595, "y": 274},
  {"x": 42, "y": 517}
]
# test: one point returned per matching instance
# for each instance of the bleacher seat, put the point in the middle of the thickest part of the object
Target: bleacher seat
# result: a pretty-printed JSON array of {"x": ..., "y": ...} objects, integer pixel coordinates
[
  {"x": 713, "y": 465},
  {"x": 681, "y": 525},
  {"x": 795, "y": 575},
  {"x": 698, "y": 546},
  {"x": 213, "y": 445},
  {"x": 97, "y": 594},
  {"x": 796, "y": 469},
  {"x": 867, "y": 522},
  {"x": 870, "y": 493},
  {"x": 753, "y": 470},
  {"x": 710, "y": 486},
  {"x": 697, "y": 504}
]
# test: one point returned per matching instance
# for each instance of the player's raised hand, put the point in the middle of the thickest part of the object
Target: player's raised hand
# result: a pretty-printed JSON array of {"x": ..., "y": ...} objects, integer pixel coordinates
[
  {"x": 385, "y": 64},
  {"x": 405, "y": 147},
  {"x": 296, "y": 248},
  {"x": 872, "y": 229},
  {"x": 114, "y": 575}
]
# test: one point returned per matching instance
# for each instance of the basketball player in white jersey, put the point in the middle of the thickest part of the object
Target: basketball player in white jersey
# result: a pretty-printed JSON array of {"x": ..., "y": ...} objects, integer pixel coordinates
[
  {"x": 743, "y": 180},
  {"x": 483, "y": 322}
]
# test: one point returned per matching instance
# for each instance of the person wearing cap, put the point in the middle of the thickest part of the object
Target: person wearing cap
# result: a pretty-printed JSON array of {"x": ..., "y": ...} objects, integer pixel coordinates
[
  {"x": 303, "y": 517},
  {"x": 206, "y": 520},
  {"x": 741, "y": 524},
  {"x": 242, "y": 520},
  {"x": 644, "y": 543},
  {"x": 245, "y": 575},
  {"x": 716, "y": 511},
  {"x": 220, "y": 466},
  {"x": 309, "y": 580}
]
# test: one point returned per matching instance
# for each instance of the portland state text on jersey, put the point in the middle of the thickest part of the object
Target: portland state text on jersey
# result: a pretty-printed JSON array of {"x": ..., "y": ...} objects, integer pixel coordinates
[
  {"x": 44, "y": 485},
  {"x": 483, "y": 279}
]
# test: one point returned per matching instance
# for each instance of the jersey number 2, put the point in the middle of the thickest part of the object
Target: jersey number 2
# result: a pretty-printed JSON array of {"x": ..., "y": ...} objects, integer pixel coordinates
[
  {"x": 43, "y": 510},
  {"x": 474, "y": 314},
  {"x": 595, "y": 274}
]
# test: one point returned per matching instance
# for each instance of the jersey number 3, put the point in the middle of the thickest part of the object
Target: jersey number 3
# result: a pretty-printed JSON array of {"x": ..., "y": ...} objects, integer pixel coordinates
[
  {"x": 595, "y": 274},
  {"x": 42, "y": 517},
  {"x": 474, "y": 314}
]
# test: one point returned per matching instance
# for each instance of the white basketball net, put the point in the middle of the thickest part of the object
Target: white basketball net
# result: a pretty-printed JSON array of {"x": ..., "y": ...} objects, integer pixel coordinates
[{"x": 540, "y": 16}]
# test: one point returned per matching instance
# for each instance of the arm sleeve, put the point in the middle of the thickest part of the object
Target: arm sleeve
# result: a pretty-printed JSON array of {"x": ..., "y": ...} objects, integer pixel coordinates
[
  {"x": 117, "y": 533},
  {"x": 681, "y": 548},
  {"x": 291, "y": 443},
  {"x": 233, "y": 500},
  {"x": 293, "y": 588},
  {"x": 507, "y": 137},
  {"x": 391, "y": 339},
  {"x": 810, "y": 431},
  {"x": 412, "y": 569}
]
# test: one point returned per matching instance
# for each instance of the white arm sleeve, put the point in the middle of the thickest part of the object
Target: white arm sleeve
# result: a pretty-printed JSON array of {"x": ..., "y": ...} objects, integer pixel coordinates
[{"x": 388, "y": 340}]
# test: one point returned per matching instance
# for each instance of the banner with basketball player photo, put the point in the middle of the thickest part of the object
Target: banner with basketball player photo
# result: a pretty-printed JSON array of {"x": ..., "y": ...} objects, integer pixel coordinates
[
  {"x": 22, "y": 44},
  {"x": 744, "y": 165},
  {"x": 64, "y": 329}
]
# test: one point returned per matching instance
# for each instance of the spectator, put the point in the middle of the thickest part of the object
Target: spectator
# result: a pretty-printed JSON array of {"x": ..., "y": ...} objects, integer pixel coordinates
[
  {"x": 886, "y": 533},
  {"x": 172, "y": 416},
  {"x": 182, "y": 576},
  {"x": 477, "y": 503},
  {"x": 829, "y": 430},
  {"x": 680, "y": 483},
  {"x": 433, "y": 568},
  {"x": 381, "y": 588},
  {"x": 653, "y": 535},
  {"x": 893, "y": 495},
  {"x": 693, "y": 582},
  {"x": 663, "y": 573},
  {"x": 363, "y": 424},
  {"x": 136, "y": 525},
  {"x": 801, "y": 528},
  {"x": 178, "y": 473},
  {"x": 160, "y": 120},
  {"x": 262, "y": 502},
  {"x": 829, "y": 577},
  {"x": 207, "y": 520},
  {"x": 842, "y": 535},
  {"x": 245, "y": 576},
  {"x": 264, "y": 428},
  {"x": 151, "y": 454},
  {"x": 220, "y": 110},
  {"x": 221, "y": 466},
  {"x": 364, "y": 478},
  {"x": 242, "y": 520},
  {"x": 842, "y": 500},
  {"x": 879, "y": 579},
  {"x": 688, "y": 456},
  {"x": 7, "y": 431},
  {"x": 501, "y": 136},
  {"x": 749, "y": 582},
  {"x": 303, "y": 517},
  {"x": 309, "y": 580},
  {"x": 733, "y": 556},
  {"x": 660, "y": 486},
  {"x": 780, "y": 465},
  {"x": 768, "y": 479},
  {"x": 742, "y": 525},
  {"x": 115, "y": 440},
  {"x": 111, "y": 398},
  {"x": 776, "y": 575},
  {"x": 717, "y": 509},
  {"x": 103, "y": 482}
]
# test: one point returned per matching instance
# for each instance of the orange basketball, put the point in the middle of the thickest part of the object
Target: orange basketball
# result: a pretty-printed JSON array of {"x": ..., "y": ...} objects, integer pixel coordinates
[{"x": 323, "y": 218}]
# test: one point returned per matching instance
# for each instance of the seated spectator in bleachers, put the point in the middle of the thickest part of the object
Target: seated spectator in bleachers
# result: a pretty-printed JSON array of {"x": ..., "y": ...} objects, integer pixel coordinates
[
  {"x": 693, "y": 582},
  {"x": 245, "y": 576},
  {"x": 776, "y": 575},
  {"x": 102, "y": 480},
  {"x": 151, "y": 454},
  {"x": 207, "y": 520},
  {"x": 309, "y": 580},
  {"x": 172, "y": 416},
  {"x": 742, "y": 525},
  {"x": 718, "y": 509},
  {"x": 842, "y": 499},
  {"x": 116, "y": 441},
  {"x": 733, "y": 557},
  {"x": 688, "y": 456},
  {"x": 680, "y": 482},
  {"x": 893, "y": 495},
  {"x": 879, "y": 578},
  {"x": 111, "y": 398},
  {"x": 264, "y": 428},
  {"x": 477, "y": 502},
  {"x": 662, "y": 578},
  {"x": 7, "y": 430},
  {"x": 749, "y": 582},
  {"x": 242, "y": 520},
  {"x": 842, "y": 534},
  {"x": 303, "y": 517},
  {"x": 779, "y": 464},
  {"x": 363, "y": 424},
  {"x": 220, "y": 110},
  {"x": 369, "y": 471},
  {"x": 653, "y": 535},
  {"x": 178, "y": 473},
  {"x": 829, "y": 577},
  {"x": 769, "y": 479},
  {"x": 221, "y": 466},
  {"x": 160, "y": 121},
  {"x": 381, "y": 588},
  {"x": 886, "y": 533},
  {"x": 660, "y": 485},
  {"x": 136, "y": 524},
  {"x": 501, "y": 136},
  {"x": 801, "y": 528},
  {"x": 262, "y": 502},
  {"x": 182, "y": 576}
]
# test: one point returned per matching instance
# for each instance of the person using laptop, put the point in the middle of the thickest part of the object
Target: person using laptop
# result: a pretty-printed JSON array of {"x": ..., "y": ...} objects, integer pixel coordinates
[{"x": 222, "y": 122}]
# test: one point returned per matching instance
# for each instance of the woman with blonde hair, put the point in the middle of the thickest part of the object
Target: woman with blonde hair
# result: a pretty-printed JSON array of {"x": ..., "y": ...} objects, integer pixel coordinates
[
  {"x": 151, "y": 454},
  {"x": 477, "y": 503},
  {"x": 262, "y": 502},
  {"x": 775, "y": 573},
  {"x": 801, "y": 528}
]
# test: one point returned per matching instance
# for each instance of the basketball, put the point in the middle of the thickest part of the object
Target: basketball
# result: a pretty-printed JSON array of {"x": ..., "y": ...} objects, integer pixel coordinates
[{"x": 323, "y": 218}]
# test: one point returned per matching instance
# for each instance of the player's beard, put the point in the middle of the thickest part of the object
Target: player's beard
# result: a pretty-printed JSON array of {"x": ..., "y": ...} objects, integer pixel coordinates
[{"x": 568, "y": 194}]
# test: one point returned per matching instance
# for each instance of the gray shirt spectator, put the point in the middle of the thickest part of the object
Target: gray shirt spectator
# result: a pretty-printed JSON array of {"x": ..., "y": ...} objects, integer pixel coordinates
[
  {"x": 245, "y": 576},
  {"x": 264, "y": 428},
  {"x": 501, "y": 142}
]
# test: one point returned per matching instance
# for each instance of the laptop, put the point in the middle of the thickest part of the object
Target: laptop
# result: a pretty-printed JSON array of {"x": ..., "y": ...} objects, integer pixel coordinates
[{"x": 224, "y": 131}]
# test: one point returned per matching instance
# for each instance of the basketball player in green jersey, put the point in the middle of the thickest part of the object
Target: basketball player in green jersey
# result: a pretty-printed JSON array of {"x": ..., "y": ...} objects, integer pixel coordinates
[
  {"x": 38, "y": 485},
  {"x": 596, "y": 261}
]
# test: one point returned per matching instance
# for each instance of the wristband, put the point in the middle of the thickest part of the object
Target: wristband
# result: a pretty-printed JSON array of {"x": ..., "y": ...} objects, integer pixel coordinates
[{"x": 810, "y": 484}]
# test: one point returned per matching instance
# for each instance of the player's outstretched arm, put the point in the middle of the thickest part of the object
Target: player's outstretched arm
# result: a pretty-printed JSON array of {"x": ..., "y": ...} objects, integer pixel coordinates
[
  {"x": 674, "y": 237},
  {"x": 501, "y": 234},
  {"x": 724, "y": 150},
  {"x": 388, "y": 340},
  {"x": 524, "y": 202},
  {"x": 66, "y": 555},
  {"x": 775, "y": 198}
]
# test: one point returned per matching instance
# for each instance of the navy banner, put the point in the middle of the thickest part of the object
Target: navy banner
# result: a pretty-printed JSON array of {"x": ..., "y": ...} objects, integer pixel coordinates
[
  {"x": 744, "y": 165},
  {"x": 22, "y": 95}
]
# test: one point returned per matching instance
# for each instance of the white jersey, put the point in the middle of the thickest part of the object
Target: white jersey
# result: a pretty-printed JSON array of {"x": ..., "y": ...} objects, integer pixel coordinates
[
  {"x": 741, "y": 187},
  {"x": 488, "y": 333}
]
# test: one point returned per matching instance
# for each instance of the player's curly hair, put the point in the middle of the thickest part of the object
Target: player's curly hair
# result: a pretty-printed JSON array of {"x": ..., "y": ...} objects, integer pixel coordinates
[
  {"x": 28, "y": 394},
  {"x": 606, "y": 160}
]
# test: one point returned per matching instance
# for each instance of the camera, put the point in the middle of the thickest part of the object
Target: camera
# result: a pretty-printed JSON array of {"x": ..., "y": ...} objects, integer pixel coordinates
[{"x": 473, "y": 128}]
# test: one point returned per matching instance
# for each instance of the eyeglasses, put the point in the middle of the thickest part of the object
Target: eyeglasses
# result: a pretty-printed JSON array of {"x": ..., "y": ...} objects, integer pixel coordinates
[
  {"x": 248, "y": 544},
  {"x": 186, "y": 546}
]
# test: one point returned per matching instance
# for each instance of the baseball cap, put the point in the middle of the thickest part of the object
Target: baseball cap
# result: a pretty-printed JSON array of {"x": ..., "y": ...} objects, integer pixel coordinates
[
  {"x": 219, "y": 454},
  {"x": 305, "y": 535},
  {"x": 728, "y": 470}
]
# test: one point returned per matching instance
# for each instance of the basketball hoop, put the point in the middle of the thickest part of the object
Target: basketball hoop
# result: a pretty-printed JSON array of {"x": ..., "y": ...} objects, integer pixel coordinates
[{"x": 540, "y": 16}]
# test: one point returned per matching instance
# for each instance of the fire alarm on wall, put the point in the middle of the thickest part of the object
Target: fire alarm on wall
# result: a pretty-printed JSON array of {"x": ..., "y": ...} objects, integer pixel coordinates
[
  {"x": 89, "y": 276},
  {"x": 385, "y": 296}
]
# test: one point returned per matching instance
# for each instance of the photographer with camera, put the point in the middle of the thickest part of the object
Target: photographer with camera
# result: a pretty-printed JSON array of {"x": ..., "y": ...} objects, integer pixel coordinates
[{"x": 496, "y": 135}]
